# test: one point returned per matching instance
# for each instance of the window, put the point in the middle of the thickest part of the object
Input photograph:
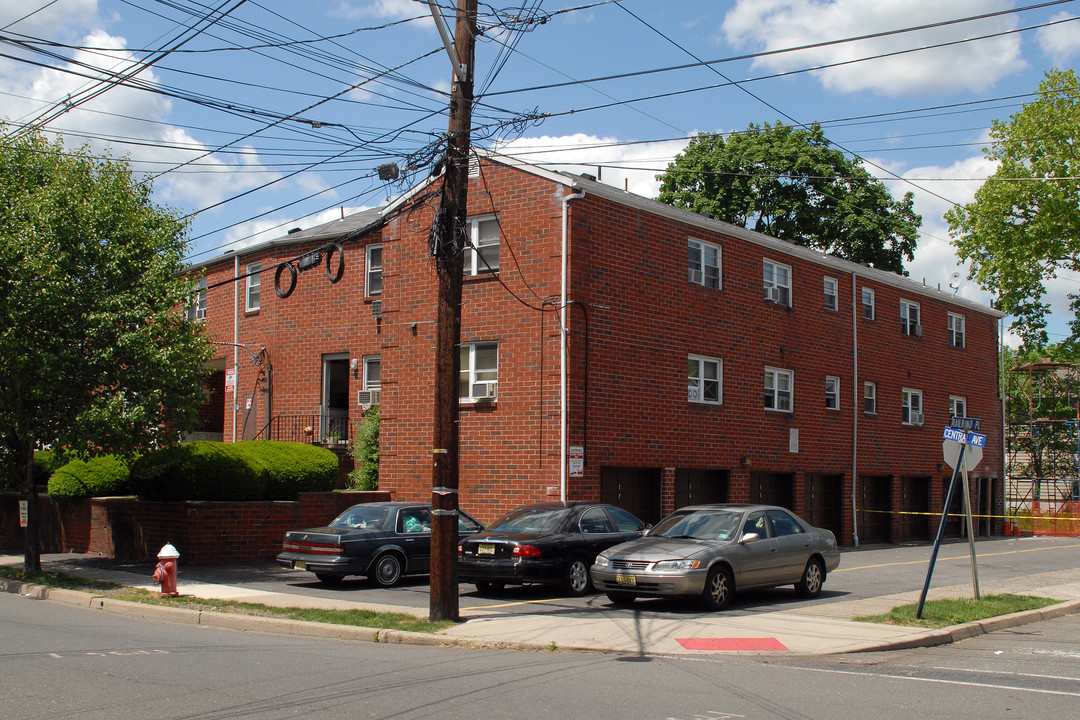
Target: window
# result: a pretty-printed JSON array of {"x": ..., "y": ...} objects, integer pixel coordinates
[
  {"x": 832, "y": 392},
  {"x": 482, "y": 255},
  {"x": 784, "y": 524},
  {"x": 196, "y": 309},
  {"x": 777, "y": 281},
  {"x": 956, "y": 330},
  {"x": 372, "y": 372},
  {"x": 373, "y": 274},
  {"x": 957, "y": 406},
  {"x": 704, "y": 263},
  {"x": 595, "y": 521},
  {"x": 868, "y": 303},
  {"x": 831, "y": 301},
  {"x": 479, "y": 378},
  {"x": 869, "y": 397},
  {"x": 911, "y": 401},
  {"x": 778, "y": 389},
  {"x": 704, "y": 380},
  {"x": 909, "y": 318},
  {"x": 254, "y": 283}
]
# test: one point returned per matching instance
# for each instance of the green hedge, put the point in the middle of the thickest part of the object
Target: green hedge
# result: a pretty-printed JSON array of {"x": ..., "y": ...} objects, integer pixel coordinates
[
  {"x": 96, "y": 477},
  {"x": 251, "y": 470}
]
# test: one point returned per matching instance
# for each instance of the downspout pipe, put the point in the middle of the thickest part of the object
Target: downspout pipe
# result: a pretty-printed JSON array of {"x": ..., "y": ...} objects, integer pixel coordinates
[
  {"x": 236, "y": 342},
  {"x": 855, "y": 397},
  {"x": 563, "y": 427}
]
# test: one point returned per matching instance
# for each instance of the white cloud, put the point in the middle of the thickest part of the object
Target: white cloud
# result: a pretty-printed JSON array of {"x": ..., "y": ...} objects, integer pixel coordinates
[
  {"x": 777, "y": 24},
  {"x": 1062, "y": 41},
  {"x": 265, "y": 229},
  {"x": 386, "y": 9},
  {"x": 629, "y": 167}
]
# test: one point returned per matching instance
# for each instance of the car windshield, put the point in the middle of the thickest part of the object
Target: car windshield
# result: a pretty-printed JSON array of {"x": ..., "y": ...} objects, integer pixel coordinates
[
  {"x": 530, "y": 520},
  {"x": 699, "y": 525},
  {"x": 361, "y": 517}
]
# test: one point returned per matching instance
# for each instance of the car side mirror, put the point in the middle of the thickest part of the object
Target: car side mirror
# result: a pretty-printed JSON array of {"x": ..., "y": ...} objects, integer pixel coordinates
[{"x": 749, "y": 537}]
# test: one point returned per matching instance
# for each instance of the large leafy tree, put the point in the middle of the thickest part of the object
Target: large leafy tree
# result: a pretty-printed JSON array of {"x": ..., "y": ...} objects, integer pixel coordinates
[
  {"x": 1024, "y": 225},
  {"x": 792, "y": 184},
  {"x": 96, "y": 354}
]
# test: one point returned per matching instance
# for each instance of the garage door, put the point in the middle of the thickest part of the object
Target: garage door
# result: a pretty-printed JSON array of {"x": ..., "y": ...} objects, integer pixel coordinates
[{"x": 634, "y": 489}]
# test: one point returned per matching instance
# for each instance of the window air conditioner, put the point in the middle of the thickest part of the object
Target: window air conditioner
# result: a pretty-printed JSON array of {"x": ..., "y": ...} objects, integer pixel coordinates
[
  {"x": 376, "y": 309},
  {"x": 484, "y": 391},
  {"x": 772, "y": 294},
  {"x": 916, "y": 418},
  {"x": 367, "y": 398},
  {"x": 918, "y": 331}
]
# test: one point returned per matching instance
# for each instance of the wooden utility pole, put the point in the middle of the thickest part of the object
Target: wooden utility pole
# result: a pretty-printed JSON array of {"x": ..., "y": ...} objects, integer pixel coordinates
[{"x": 449, "y": 243}]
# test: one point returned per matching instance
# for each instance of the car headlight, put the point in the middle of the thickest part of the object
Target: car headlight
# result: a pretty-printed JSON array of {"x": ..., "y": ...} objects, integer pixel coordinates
[
  {"x": 602, "y": 561},
  {"x": 675, "y": 565}
]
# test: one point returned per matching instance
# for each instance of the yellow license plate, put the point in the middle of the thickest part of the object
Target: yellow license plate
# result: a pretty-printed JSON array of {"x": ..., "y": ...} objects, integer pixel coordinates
[
  {"x": 299, "y": 565},
  {"x": 626, "y": 579},
  {"x": 485, "y": 549}
]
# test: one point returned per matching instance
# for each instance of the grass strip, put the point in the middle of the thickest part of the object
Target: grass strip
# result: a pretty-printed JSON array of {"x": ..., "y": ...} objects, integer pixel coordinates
[
  {"x": 358, "y": 618},
  {"x": 957, "y": 611}
]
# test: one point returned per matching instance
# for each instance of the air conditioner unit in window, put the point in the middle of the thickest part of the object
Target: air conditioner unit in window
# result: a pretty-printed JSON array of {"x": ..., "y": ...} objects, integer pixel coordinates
[
  {"x": 367, "y": 398},
  {"x": 918, "y": 331},
  {"x": 376, "y": 309},
  {"x": 772, "y": 294},
  {"x": 484, "y": 391},
  {"x": 915, "y": 418}
]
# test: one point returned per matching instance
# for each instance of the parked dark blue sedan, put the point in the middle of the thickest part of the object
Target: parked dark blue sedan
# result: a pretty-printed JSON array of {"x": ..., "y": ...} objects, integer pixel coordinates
[{"x": 381, "y": 540}]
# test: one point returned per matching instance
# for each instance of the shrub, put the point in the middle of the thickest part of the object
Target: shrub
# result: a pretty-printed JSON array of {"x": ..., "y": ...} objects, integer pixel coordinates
[
  {"x": 289, "y": 468},
  {"x": 365, "y": 452},
  {"x": 200, "y": 470},
  {"x": 11, "y": 475},
  {"x": 104, "y": 475}
]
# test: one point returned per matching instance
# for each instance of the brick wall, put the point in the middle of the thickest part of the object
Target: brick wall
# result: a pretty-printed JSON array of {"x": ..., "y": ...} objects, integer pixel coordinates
[{"x": 203, "y": 532}]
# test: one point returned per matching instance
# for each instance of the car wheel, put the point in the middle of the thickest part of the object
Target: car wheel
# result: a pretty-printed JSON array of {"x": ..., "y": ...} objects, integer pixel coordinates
[
  {"x": 622, "y": 599},
  {"x": 329, "y": 578},
  {"x": 813, "y": 577},
  {"x": 719, "y": 588},
  {"x": 576, "y": 578},
  {"x": 386, "y": 570},
  {"x": 488, "y": 588}
]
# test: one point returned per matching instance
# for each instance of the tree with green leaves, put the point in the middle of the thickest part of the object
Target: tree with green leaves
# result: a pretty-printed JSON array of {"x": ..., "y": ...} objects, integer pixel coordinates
[
  {"x": 365, "y": 452},
  {"x": 1024, "y": 225},
  {"x": 96, "y": 354},
  {"x": 792, "y": 184}
]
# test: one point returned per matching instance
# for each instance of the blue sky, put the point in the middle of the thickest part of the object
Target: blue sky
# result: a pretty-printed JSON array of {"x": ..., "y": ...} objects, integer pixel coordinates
[{"x": 278, "y": 114}]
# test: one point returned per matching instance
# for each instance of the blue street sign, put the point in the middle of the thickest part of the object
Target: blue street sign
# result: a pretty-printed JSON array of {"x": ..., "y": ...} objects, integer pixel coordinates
[
  {"x": 976, "y": 439},
  {"x": 956, "y": 434}
]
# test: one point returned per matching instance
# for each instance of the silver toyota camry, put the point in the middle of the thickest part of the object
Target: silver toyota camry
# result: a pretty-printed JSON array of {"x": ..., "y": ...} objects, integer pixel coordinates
[{"x": 711, "y": 551}]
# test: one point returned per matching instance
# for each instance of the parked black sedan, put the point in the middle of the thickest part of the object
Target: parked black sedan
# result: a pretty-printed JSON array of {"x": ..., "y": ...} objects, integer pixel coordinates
[
  {"x": 551, "y": 542},
  {"x": 381, "y": 540}
]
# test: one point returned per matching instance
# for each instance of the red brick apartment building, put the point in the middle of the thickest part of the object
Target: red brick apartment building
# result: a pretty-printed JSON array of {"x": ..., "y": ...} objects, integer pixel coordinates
[{"x": 705, "y": 362}]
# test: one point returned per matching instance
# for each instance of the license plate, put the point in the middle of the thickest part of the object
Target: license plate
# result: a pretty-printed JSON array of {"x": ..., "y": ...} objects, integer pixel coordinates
[
  {"x": 626, "y": 579},
  {"x": 299, "y": 565},
  {"x": 485, "y": 549}
]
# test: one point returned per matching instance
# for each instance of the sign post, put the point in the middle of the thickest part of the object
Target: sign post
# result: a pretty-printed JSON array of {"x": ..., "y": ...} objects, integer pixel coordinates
[{"x": 959, "y": 440}]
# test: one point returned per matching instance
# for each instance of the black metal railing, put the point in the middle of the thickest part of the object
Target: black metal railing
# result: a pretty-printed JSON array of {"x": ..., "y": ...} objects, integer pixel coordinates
[{"x": 315, "y": 429}]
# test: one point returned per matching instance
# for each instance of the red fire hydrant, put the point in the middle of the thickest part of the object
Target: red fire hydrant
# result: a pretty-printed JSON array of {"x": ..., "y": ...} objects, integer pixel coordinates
[{"x": 165, "y": 572}]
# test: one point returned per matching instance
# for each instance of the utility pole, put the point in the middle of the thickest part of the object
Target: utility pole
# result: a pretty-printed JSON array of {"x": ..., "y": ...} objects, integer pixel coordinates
[{"x": 448, "y": 247}]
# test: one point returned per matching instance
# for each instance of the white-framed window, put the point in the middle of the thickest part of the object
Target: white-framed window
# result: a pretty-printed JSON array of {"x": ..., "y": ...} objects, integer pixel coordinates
[
  {"x": 254, "y": 285},
  {"x": 869, "y": 398},
  {"x": 373, "y": 270},
  {"x": 867, "y": 303},
  {"x": 704, "y": 380},
  {"x": 957, "y": 406},
  {"x": 703, "y": 267},
  {"x": 479, "y": 379},
  {"x": 911, "y": 406},
  {"x": 778, "y": 389},
  {"x": 482, "y": 255},
  {"x": 832, "y": 299},
  {"x": 776, "y": 279},
  {"x": 196, "y": 309},
  {"x": 372, "y": 372},
  {"x": 956, "y": 330},
  {"x": 909, "y": 318},
  {"x": 832, "y": 392}
]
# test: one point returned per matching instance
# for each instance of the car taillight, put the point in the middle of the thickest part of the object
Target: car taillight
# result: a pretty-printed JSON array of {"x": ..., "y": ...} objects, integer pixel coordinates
[
  {"x": 460, "y": 550},
  {"x": 529, "y": 551}
]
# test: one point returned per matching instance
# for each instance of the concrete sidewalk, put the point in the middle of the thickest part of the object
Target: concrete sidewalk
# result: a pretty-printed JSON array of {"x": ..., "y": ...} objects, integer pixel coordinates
[{"x": 811, "y": 629}]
